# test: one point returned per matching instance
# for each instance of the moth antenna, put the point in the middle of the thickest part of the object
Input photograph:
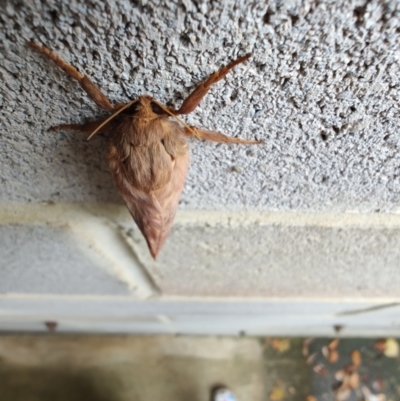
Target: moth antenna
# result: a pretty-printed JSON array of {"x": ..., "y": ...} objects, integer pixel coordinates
[
  {"x": 112, "y": 117},
  {"x": 176, "y": 118}
]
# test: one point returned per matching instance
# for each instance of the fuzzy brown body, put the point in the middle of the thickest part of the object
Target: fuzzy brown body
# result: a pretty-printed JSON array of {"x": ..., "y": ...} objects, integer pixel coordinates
[
  {"x": 148, "y": 158},
  {"x": 148, "y": 154}
]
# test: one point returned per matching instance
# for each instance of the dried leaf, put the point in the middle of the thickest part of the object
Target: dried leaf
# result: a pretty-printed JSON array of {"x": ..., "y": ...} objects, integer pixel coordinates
[
  {"x": 349, "y": 369},
  {"x": 311, "y": 358},
  {"x": 280, "y": 345},
  {"x": 306, "y": 344},
  {"x": 333, "y": 356},
  {"x": 320, "y": 369},
  {"x": 342, "y": 395},
  {"x": 346, "y": 382},
  {"x": 356, "y": 358},
  {"x": 325, "y": 352},
  {"x": 354, "y": 380},
  {"x": 329, "y": 351},
  {"x": 340, "y": 374},
  {"x": 333, "y": 344},
  {"x": 278, "y": 393},
  {"x": 391, "y": 348},
  {"x": 380, "y": 345}
]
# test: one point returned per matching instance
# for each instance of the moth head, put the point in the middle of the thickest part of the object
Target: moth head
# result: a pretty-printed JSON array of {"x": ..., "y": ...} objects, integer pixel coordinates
[
  {"x": 146, "y": 108},
  {"x": 133, "y": 109},
  {"x": 150, "y": 109}
]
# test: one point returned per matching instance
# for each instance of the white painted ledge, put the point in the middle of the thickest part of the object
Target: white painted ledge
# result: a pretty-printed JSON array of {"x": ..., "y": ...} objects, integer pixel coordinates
[{"x": 292, "y": 317}]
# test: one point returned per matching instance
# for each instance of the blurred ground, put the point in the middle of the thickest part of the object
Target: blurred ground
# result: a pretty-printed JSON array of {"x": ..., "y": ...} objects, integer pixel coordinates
[{"x": 119, "y": 368}]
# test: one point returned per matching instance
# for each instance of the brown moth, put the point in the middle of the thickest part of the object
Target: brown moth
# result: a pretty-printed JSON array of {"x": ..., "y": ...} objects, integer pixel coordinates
[{"x": 148, "y": 154}]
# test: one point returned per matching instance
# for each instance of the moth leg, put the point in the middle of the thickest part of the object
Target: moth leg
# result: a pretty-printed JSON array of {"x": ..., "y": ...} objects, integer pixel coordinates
[
  {"x": 88, "y": 127},
  {"x": 214, "y": 136},
  {"x": 193, "y": 100},
  {"x": 88, "y": 86}
]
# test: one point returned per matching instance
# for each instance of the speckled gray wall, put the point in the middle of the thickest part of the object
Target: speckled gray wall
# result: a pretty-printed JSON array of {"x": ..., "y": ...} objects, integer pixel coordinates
[
  {"x": 321, "y": 89},
  {"x": 45, "y": 260}
]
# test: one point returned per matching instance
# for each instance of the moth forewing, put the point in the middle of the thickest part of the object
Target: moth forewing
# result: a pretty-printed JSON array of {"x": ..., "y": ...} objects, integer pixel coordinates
[{"x": 151, "y": 178}]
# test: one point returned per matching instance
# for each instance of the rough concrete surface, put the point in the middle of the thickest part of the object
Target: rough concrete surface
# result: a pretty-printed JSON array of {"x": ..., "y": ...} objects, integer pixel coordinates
[
  {"x": 283, "y": 262},
  {"x": 273, "y": 261},
  {"x": 39, "y": 259},
  {"x": 280, "y": 255},
  {"x": 321, "y": 88}
]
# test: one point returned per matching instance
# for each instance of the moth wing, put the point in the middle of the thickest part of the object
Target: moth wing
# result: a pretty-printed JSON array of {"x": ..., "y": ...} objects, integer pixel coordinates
[
  {"x": 154, "y": 212},
  {"x": 149, "y": 165}
]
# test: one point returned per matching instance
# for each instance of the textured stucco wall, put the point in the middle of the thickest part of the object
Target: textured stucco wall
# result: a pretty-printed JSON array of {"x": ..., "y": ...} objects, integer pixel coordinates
[{"x": 321, "y": 89}]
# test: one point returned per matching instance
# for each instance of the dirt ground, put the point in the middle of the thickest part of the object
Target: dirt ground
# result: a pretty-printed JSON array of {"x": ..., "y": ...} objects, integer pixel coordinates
[{"x": 180, "y": 368}]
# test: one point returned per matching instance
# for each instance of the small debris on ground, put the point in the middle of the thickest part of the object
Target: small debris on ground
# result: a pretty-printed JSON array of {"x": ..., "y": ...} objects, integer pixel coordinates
[
  {"x": 279, "y": 344},
  {"x": 278, "y": 392},
  {"x": 389, "y": 347},
  {"x": 360, "y": 373}
]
